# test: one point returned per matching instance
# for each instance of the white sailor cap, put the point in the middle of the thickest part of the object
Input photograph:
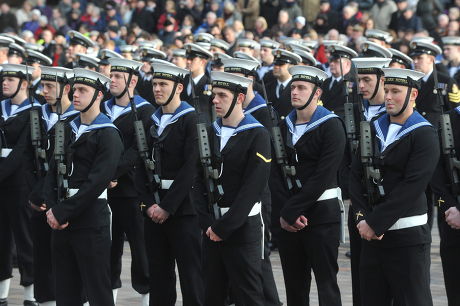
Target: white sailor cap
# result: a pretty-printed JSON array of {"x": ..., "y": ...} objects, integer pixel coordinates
[
  {"x": 237, "y": 65},
  {"x": 379, "y": 34},
  {"x": 204, "y": 45},
  {"x": 291, "y": 41},
  {"x": 128, "y": 48},
  {"x": 15, "y": 38},
  {"x": 451, "y": 40},
  {"x": 308, "y": 74},
  {"x": 148, "y": 44},
  {"x": 203, "y": 37},
  {"x": 34, "y": 47},
  {"x": 219, "y": 43},
  {"x": 328, "y": 43},
  {"x": 399, "y": 57},
  {"x": 372, "y": 49},
  {"x": 61, "y": 74},
  {"x": 124, "y": 65},
  {"x": 230, "y": 81},
  {"x": 338, "y": 51},
  {"x": 148, "y": 53},
  {"x": 285, "y": 57},
  {"x": 76, "y": 38},
  {"x": 268, "y": 43},
  {"x": 17, "y": 71},
  {"x": 179, "y": 53},
  {"x": 292, "y": 47},
  {"x": 427, "y": 39},
  {"x": 194, "y": 50},
  {"x": 105, "y": 54},
  {"x": 156, "y": 61},
  {"x": 403, "y": 77},
  {"x": 84, "y": 61},
  {"x": 15, "y": 49},
  {"x": 5, "y": 41},
  {"x": 312, "y": 44},
  {"x": 371, "y": 65},
  {"x": 307, "y": 57},
  {"x": 423, "y": 47},
  {"x": 91, "y": 78},
  {"x": 37, "y": 57},
  {"x": 247, "y": 43},
  {"x": 217, "y": 59},
  {"x": 242, "y": 55},
  {"x": 170, "y": 72}
]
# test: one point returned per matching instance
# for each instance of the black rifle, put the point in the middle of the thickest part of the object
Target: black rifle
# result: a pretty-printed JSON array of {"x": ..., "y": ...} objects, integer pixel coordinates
[
  {"x": 350, "y": 122},
  {"x": 211, "y": 175},
  {"x": 452, "y": 163},
  {"x": 59, "y": 146},
  {"x": 288, "y": 171},
  {"x": 153, "y": 180},
  {"x": 35, "y": 131}
]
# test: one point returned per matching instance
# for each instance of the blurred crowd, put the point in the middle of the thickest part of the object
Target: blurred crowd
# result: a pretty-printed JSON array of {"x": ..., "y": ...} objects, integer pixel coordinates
[{"x": 170, "y": 24}]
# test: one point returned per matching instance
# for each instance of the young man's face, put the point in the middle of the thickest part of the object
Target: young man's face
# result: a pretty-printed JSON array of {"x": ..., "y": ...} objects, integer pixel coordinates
[
  {"x": 82, "y": 96},
  {"x": 195, "y": 63},
  {"x": 300, "y": 93},
  {"x": 118, "y": 82},
  {"x": 222, "y": 100},
  {"x": 423, "y": 63},
  {"x": 9, "y": 86},
  {"x": 266, "y": 55},
  {"x": 367, "y": 83},
  {"x": 14, "y": 59},
  {"x": 50, "y": 89},
  {"x": 162, "y": 90},
  {"x": 395, "y": 95}
]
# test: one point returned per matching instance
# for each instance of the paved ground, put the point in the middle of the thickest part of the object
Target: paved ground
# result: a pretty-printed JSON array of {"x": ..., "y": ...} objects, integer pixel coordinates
[{"x": 127, "y": 296}]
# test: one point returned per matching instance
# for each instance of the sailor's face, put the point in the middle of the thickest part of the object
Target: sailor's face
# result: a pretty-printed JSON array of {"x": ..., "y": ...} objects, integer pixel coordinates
[
  {"x": 246, "y": 50},
  {"x": 397, "y": 65},
  {"x": 266, "y": 55},
  {"x": 162, "y": 90},
  {"x": 195, "y": 63},
  {"x": 118, "y": 82},
  {"x": 222, "y": 100},
  {"x": 451, "y": 52},
  {"x": 49, "y": 91},
  {"x": 179, "y": 61},
  {"x": 74, "y": 49},
  {"x": 334, "y": 67},
  {"x": 367, "y": 83},
  {"x": 82, "y": 96},
  {"x": 105, "y": 70},
  {"x": 9, "y": 86},
  {"x": 395, "y": 95},
  {"x": 300, "y": 93},
  {"x": 423, "y": 63},
  {"x": 14, "y": 59}
]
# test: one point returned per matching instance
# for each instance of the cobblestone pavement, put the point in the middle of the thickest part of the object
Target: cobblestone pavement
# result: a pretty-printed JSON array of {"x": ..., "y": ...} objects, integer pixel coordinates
[{"x": 127, "y": 296}]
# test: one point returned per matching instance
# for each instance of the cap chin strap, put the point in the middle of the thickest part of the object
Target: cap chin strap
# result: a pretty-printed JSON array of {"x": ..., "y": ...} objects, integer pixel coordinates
[
  {"x": 17, "y": 90},
  {"x": 96, "y": 92},
  {"x": 126, "y": 85},
  {"x": 309, "y": 99},
  {"x": 171, "y": 96},
  {"x": 379, "y": 75},
  {"x": 406, "y": 102},
  {"x": 61, "y": 90},
  {"x": 232, "y": 106}
]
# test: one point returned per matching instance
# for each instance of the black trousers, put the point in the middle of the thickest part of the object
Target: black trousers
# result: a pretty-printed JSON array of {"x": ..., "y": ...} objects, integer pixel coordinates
[
  {"x": 450, "y": 253},
  {"x": 178, "y": 239},
  {"x": 15, "y": 216},
  {"x": 313, "y": 248},
  {"x": 43, "y": 260},
  {"x": 127, "y": 219},
  {"x": 82, "y": 261},
  {"x": 355, "y": 248},
  {"x": 237, "y": 264},
  {"x": 397, "y": 276}
]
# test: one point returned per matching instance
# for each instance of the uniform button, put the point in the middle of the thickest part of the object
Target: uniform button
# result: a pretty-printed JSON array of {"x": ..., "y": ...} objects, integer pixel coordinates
[{"x": 423, "y": 114}]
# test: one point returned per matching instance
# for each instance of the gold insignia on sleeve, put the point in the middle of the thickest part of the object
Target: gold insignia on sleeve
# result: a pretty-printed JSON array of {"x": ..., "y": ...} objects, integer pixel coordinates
[
  {"x": 454, "y": 95},
  {"x": 359, "y": 214},
  {"x": 440, "y": 201},
  {"x": 263, "y": 158},
  {"x": 142, "y": 205}
]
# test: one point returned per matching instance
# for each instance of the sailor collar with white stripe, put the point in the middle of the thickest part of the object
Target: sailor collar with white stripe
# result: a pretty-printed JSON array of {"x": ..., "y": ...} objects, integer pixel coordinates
[
  {"x": 320, "y": 116},
  {"x": 183, "y": 109},
  {"x": 101, "y": 122},
  {"x": 382, "y": 126},
  {"x": 457, "y": 109},
  {"x": 248, "y": 122},
  {"x": 47, "y": 111},
  {"x": 109, "y": 106},
  {"x": 256, "y": 103},
  {"x": 367, "y": 106},
  {"x": 6, "y": 108}
]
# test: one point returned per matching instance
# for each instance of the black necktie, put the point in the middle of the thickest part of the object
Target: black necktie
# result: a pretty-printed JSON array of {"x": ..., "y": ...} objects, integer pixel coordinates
[
  {"x": 280, "y": 90},
  {"x": 333, "y": 83}
]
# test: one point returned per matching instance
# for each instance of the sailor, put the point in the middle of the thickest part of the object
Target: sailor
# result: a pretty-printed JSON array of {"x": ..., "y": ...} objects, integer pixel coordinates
[
  {"x": 16, "y": 54},
  {"x": 400, "y": 60},
  {"x": 179, "y": 58},
  {"x": 310, "y": 218},
  {"x": 144, "y": 85},
  {"x": 392, "y": 219},
  {"x": 219, "y": 45},
  {"x": 248, "y": 46},
  {"x": 104, "y": 65},
  {"x": 123, "y": 199},
  {"x": 452, "y": 54},
  {"x": 37, "y": 60},
  {"x": 267, "y": 58},
  {"x": 217, "y": 61},
  {"x": 172, "y": 231},
  {"x": 233, "y": 246},
  {"x": 17, "y": 178},
  {"x": 78, "y": 43},
  {"x": 87, "y": 62},
  {"x": 56, "y": 87},
  {"x": 127, "y": 51},
  {"x": 81, "y": 218},
  {"x": 380, "y": 37}
]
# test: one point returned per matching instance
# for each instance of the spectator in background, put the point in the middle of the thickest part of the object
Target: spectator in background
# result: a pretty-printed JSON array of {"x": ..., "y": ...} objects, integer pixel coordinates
[
  {"x": 428, "y": 11},
  {"x": 188, "y": 25},
  {"x": 239, "y": 29},
  {"x": 168, "y": 15},
  {"x": 33, "y": 24},
  {"x": 210, "y": 20},
  {"x": 230, "y": 37},
  {"x": 24, "y": 13},
  {"x": 332, "y": 16},
  {"x": 293, "y": 9},
  {"x": 454, "y": 13},
  {"x": 110, "y": 13},
  {"x": 381, "y": 11},
  {"x": 47, "y": 42},
  {"x": 283, "y": 27},
  {"x": 143, "y": 17},
  {"x": 167, "y": 33},
  {"x": 397, "y": 16},
  {"x": 189, "y": 7},
  {"x": 453, "y": 28},
  {"x": 7, "y": 18},
  {"x": 321, "y": 24},
  {"x": 65, "y": 6},
  {"x": 300, "y": 27},
  {"x": 261, "y": 28},
  {"x": 443, "y": 23},
  {"x": 44, "y": 9},
  {"x": 230, "y": 14},
  {"x": 43, "y": 25},
  {"x": 250, "y": 10},
  {"x": 126, "y": 11}
]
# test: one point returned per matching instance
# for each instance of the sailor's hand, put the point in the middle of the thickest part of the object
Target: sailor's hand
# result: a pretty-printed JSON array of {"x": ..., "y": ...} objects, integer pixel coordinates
[
  {"x": 150, "y": 210},
  {"x": 366, "y": 232},
  {"x": 210, "y": 233},
  {"x": 53, "y": 222},
  {"x": 301, "y": 222},
  {"x": 159, "y": 215},
  {"x": 40, "y": 208},
  {"x": 453, "y": 217},
  {"x": 286, "y": 226}
]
